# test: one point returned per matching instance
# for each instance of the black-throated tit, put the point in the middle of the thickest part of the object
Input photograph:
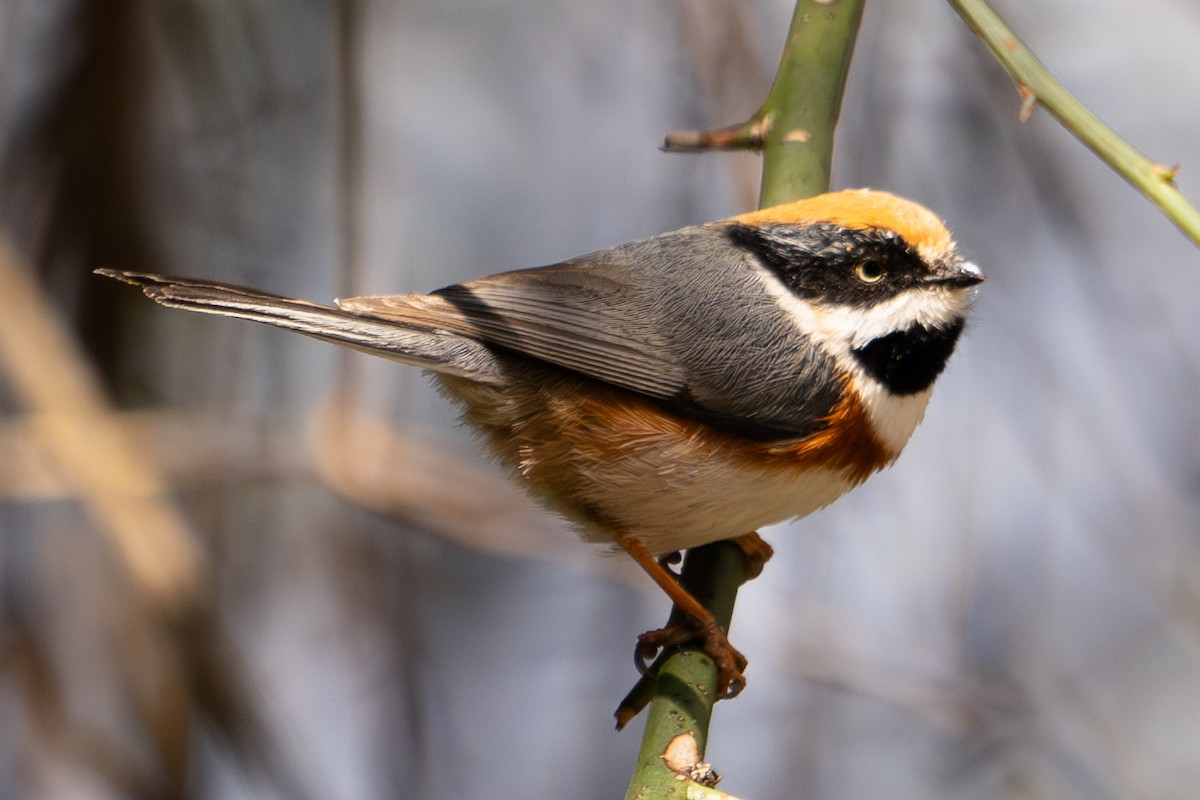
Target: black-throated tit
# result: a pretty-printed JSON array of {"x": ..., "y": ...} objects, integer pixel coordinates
[{"x": 683, "y": 389}]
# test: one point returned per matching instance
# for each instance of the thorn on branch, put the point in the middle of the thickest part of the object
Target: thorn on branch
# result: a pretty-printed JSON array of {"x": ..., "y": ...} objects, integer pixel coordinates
[
  {"x": 1166, "y": 174},
  {"x": 1029, "y": 102}
]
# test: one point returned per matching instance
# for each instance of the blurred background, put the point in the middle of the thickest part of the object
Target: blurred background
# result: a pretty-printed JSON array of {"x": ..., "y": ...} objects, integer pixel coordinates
[{"x": 239, "y": 563}]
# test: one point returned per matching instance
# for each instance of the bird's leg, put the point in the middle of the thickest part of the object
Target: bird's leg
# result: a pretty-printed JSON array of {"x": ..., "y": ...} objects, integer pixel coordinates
[
  {"x": 682, "y": 627},
  {"x": 699, "y": 623}
]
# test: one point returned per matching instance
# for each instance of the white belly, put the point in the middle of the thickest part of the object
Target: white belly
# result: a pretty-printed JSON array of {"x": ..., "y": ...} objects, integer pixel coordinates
[{"x": 717, "y": 501}]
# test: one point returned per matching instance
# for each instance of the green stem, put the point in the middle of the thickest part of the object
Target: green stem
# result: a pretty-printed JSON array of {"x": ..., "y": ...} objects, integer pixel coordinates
[
  {"x": 1039, "y": 87},
  {"x": 683, "y": 693},
  {"x": 794, "y": 128},
  {"x": 801, "y": 110}
]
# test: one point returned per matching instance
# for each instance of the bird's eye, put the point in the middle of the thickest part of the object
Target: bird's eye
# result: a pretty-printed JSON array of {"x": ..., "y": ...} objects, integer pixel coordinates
[{"x": 869, "y": 272}]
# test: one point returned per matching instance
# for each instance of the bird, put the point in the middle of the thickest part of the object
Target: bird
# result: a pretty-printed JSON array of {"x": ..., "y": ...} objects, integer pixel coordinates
[{"x": 683, "y": 389}]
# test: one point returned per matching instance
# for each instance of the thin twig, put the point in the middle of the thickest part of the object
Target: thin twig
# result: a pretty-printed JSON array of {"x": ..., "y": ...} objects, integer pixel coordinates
[
  {"x": 1038, "y": 87},
  {"x": 748, "y": 136}
]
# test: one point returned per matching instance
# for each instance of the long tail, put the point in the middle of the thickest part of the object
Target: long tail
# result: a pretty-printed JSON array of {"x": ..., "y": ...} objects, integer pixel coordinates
[{"x": 410, "y": 344}]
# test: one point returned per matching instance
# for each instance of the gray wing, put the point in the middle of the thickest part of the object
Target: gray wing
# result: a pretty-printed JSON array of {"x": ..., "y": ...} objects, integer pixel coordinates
[
  {"x": 704, "y": 338},
  {"x": 598, "y": 315}
]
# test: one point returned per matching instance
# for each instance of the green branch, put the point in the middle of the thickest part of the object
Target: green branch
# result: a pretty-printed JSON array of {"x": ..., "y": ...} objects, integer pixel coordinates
[
  {"x": 801, "y": 111},
  {"x": 682, "y": 695},
  {"x": 1039, "y": 87},
  {"x": 794, "y": 130},
  {"x": 794, "y": 127}
]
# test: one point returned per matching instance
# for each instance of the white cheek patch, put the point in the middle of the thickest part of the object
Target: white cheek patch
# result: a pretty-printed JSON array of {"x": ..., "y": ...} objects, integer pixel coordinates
[{"x": 931, "y": 307}]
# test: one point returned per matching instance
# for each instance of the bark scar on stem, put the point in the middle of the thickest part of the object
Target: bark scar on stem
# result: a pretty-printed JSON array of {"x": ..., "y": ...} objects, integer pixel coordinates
[{"x": 682, "y": 757}]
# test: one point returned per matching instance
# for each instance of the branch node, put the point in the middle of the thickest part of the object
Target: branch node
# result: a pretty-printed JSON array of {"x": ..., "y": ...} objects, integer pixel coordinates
[
  {"x": 682, "y": 757},
  {"x": 746, "y": 136}
]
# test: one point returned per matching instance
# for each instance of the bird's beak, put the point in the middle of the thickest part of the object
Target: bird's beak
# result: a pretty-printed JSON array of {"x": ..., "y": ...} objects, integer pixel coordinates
[{"x": 956, "y": 272}]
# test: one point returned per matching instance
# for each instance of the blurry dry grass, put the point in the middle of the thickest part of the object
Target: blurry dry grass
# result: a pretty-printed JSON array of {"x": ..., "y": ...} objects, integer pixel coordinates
[
  {"x": 174, "y": 662},
  {"x": 70, "y": 415},
  {"x": 184, "y": 448}
]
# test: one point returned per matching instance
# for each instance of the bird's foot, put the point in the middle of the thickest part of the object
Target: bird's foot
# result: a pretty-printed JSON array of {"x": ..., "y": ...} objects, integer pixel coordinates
[
  {"x": 731, "y": 664},
  {"x": 756, "y": 552}
]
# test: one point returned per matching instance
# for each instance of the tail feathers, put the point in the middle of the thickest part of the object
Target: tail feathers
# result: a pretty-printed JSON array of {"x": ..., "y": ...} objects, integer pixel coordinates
[{"x": 405, "y": 342}]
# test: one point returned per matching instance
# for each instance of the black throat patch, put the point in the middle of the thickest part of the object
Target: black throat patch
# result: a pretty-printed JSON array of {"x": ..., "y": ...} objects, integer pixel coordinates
[{"x": 908, "y": 361}]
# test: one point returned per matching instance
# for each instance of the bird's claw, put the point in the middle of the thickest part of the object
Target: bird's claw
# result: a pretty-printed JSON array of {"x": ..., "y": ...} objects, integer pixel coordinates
[{"x": 731, "y": 664}]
